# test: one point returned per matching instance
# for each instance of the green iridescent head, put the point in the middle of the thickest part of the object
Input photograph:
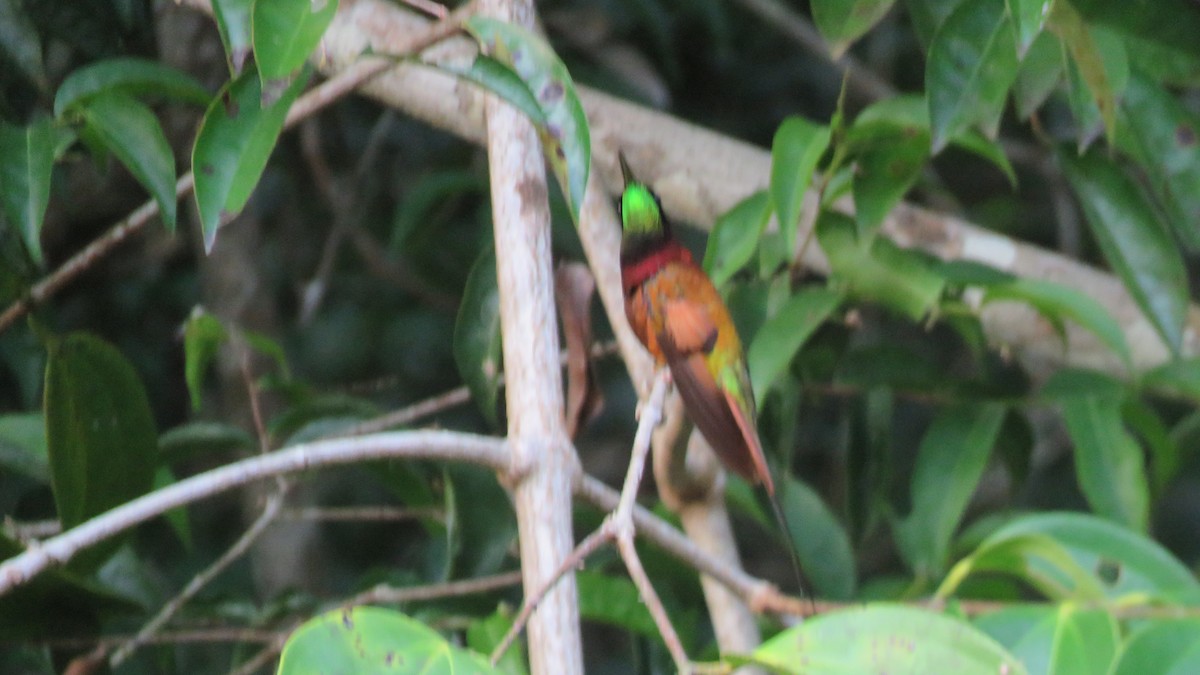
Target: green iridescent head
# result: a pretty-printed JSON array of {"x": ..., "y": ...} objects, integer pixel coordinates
[{"x": 641, "y": 213}]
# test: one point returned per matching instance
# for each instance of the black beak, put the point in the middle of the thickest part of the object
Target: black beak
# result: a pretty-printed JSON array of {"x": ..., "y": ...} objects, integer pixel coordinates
[{"x": 626, "y": 172}]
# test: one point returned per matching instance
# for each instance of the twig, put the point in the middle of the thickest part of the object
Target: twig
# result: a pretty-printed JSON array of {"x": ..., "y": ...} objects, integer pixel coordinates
[
  {"x": 236, "y": 551},
  {"x": 619, "y": 526},
  {"x": 381, "y": 514},
  {"x": 384, "y": 593},
  {"x": 305, "y": 106},
  {"x": 443, "y": 445}
]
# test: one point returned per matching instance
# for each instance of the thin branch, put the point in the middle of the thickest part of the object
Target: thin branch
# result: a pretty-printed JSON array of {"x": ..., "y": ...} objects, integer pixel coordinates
[
  {"x": 443, "y": 445},
  {"x": 385, "y": 594},
  {"x": 234, "y": 553},
  {"x": 378, "y": 514}
]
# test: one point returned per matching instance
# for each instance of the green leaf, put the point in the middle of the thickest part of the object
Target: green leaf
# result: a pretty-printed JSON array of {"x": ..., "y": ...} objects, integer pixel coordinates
[
  {"x": 131, "y": 77},
  {"x": 233, "y": 23},
  {"x": 1099, "y": 59},
  {"x": 972, "y": 62},
  {"x": 885, "y": 173},
  {"x": 234, "y": 141},
  {"x": 1039, "y": 75},
  {"x": 1108, "y": 460},
  {"x": 131, "y": 131},
  {"x": 886, "y": 639},
  {"x": 1161, "y": 646},
  {"x": 1133, "y": 242},
  {"x": 1164, "y": 137},
  {"x": 735, "y": 236},
  {"x": 1028, "y": 17},
  {"x": 565, "y": 136},
  {"x": 100, "y": 434},
  {"x": 196, "y": 440},
  {"x": 1026, "y": 632},
  {"x": 881, "y": 272},
  {"x": 1035, "y": 558},
  {"x": 285, "y": 33},
  {"x": 1085, "y": 641},
  {"x": 202, "y": 337},
  {"x": 844, "y": 21},
  {"x": 1120, "y": 562},
  {"x": 822, "y": 543},
  {"x": 797, "y": 147},
  {"x": 20, "y": 42},
  {"x": 1171, "y": 24},
  {"x": 26, "y": 163},
  {"x": 483, "y": 527},
  {"x": 503, "y": 82},
  {"x": 614, "y": 601},
  {"x": 373, "y": 640},
  {"x": 782, "y": 336},
  {"x": 950, "y": 462},
  {"x": 1056, "y": 302},
  {"x": 484, "y": 635},
  {"x": 23, "y": 445},
  {"x": 477, "y": 340},
  {"x": 1179, "y": 377}
]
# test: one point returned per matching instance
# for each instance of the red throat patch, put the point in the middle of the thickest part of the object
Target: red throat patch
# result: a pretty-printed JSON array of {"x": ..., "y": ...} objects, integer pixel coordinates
[{"x": 638, "y": 271}]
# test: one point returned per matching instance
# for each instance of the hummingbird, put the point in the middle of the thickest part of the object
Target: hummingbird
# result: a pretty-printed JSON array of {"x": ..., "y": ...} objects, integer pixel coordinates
[{"x": 683, "y": 322}]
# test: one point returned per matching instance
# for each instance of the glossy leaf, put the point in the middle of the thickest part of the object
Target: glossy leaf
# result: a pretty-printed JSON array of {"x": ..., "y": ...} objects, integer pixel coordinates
[
  {"x": 1028, "y": 16},
  {"x": 1164, "y": 137},
  {"x": 285, "y": 33},
  {"x": 373, "y": 640},
  {"x": 797, "y": 147},
  {"x": 1056, "y": 302},
  {"x": 842, "y": 22},
  {"x": 972, "y": 62},
  {"x": 1034, "y": 558},
  {"x": 565, "y": 136},
  {"x": 131, "y": 77},
  {"x": 234, "y": 142},
  {"x": 202, "y": 337},
  {"x": 882, "y": 272},
  {"x": 1161, "y": 646},
  {"x": 233, "y": 23},
  {"x": 100, "y": 433},
  {"x": 477, "y": 341},
  {"x": 1119, "y": 562},
  {"x": 132, "y": 133},
  {"x": 781, "y": 337},
  {"x": 1026, "y": 632},
  {"x": 1108, "y": 460},
  {"x": 950, "y": 462},
  {"x": 1133, "y": 242},
  {"x": 886, "y": 639},
  {"x": 1085, "y": 641},
  {"x": 735, "y": 236},
  {"x": 503, "y": 82},
  {"x": 26, "y": 163}
]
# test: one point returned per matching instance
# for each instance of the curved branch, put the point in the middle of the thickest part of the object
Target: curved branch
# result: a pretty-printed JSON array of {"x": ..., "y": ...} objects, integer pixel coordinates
[{"x": 445, "y": 445}]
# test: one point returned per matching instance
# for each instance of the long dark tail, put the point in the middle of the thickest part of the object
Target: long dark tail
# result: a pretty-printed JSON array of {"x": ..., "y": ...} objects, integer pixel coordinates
[{"x": 781, "y": 519}]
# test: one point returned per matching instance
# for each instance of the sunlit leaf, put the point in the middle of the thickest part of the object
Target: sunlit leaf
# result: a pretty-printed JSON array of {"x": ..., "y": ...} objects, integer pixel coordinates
[
  {"x": 234, "y": 142},
  {"x": 1133, "y": 242},
  {"x": 972, "y": 62},
  {"x": 1085, "y": 641},
  {"x": 797, "y": 147},
  {"x": 735, "y": 236},
  {"x": 879, "y": 639},
  {"x": 1161, "y": 646},
  {"x": 373, "y": 640}
]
